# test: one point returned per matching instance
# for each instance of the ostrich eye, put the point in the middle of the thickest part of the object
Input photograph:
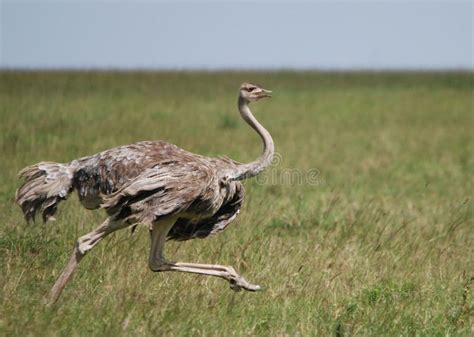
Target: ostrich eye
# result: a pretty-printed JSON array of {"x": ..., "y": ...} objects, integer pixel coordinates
[{"x": 251, "y": 89}]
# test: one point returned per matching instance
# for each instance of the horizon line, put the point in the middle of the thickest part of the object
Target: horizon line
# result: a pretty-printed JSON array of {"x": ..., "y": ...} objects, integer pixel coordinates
[{"x": 238, "y": 69}]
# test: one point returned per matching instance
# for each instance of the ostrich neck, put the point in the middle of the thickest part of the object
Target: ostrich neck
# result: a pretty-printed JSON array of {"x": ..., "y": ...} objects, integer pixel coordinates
[{"x": 250, "y": 170}]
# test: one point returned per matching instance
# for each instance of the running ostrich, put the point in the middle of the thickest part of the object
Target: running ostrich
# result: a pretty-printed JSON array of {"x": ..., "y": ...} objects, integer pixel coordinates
[{"x": 178, "y": 194}]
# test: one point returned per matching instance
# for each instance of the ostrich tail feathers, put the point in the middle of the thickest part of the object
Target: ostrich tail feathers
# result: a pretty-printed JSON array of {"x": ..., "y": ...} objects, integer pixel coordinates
[{"x": 44, "y": 185}]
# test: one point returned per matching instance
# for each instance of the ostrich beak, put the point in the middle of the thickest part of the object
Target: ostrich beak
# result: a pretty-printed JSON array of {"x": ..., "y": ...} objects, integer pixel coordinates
[{"x": 265, "y": 93}]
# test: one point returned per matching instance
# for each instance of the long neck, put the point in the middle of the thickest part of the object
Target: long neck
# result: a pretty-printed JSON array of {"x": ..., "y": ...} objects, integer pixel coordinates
[{"x": 249, "y": 170}]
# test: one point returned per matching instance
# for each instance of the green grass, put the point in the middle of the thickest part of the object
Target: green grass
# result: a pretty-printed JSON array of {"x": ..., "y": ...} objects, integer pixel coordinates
[{"x": 380, "y": 243}]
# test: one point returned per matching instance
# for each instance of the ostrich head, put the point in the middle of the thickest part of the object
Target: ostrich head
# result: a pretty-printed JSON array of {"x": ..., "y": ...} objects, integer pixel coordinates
[{"x": 252, "y": 92}]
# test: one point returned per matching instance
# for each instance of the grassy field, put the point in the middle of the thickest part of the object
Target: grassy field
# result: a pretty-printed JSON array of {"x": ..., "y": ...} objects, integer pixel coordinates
[{"x": 379, "y": 240}]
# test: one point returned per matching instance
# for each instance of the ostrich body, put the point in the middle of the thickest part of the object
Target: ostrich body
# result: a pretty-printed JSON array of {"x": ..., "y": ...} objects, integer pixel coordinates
[{"x": 178, "y": 194}]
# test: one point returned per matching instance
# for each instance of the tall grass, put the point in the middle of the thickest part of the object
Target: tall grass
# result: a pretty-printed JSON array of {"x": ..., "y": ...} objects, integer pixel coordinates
[{"x": 380, "y": 242}]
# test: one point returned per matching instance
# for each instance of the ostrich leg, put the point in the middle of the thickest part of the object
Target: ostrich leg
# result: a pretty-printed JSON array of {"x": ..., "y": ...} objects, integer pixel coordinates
[
  {"x": 158, "y": 263},
  {"x": 82, "y": 246}
]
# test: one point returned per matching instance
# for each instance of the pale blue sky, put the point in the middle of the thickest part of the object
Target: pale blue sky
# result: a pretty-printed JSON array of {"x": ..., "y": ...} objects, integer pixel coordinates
[{"x": 237, "y": 34}]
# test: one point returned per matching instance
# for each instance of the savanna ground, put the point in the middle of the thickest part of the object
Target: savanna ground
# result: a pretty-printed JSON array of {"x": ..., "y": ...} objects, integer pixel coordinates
[{"x": 377, "y": 241}]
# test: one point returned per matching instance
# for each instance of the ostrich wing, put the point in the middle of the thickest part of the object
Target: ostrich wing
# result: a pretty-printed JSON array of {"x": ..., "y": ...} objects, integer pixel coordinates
[
  {"x": 168, "y": 188},
  {"x": 186, "y": 229}
]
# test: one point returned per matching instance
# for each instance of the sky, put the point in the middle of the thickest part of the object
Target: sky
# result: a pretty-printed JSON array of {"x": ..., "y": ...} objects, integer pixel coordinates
[{"x": 237, "y": 34}]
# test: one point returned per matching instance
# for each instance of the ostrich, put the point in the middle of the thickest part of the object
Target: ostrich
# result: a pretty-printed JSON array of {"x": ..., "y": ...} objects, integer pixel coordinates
[{"x": 177, "y": 194}]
